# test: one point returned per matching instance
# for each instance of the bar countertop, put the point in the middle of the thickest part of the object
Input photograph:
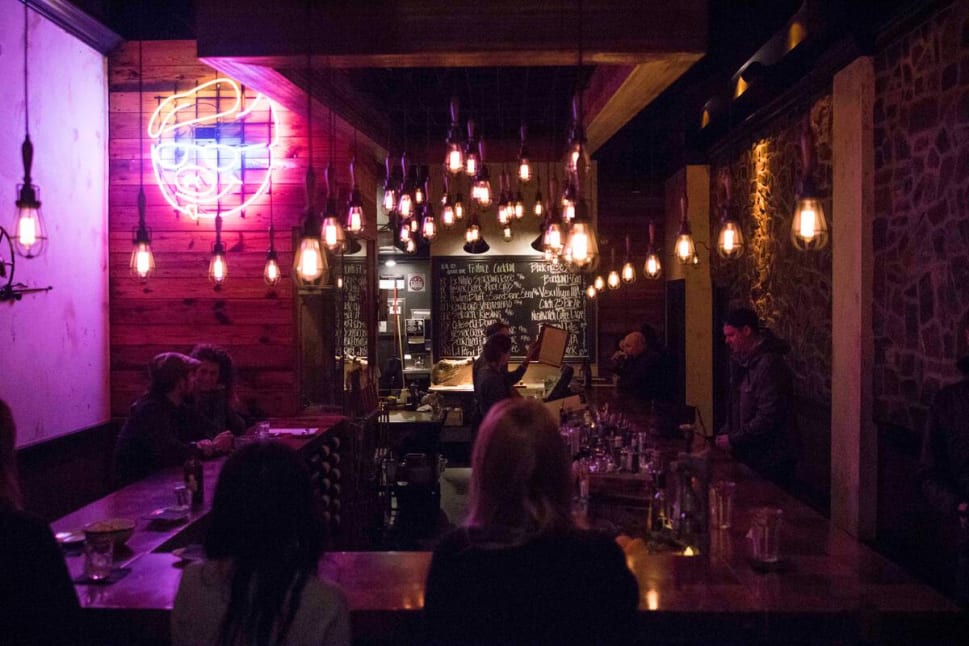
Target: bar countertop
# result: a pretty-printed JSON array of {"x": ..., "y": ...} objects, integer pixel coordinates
[{"x": 828, "y": 587}]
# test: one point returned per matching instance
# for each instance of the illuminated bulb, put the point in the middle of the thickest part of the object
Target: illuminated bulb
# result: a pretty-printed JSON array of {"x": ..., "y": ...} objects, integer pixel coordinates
[
  {"x": 429, "y": 228},
  {"x": 390, "y": 199},
  {"x": 685, "y": 249},
  {"x": 458, "y": 208},
  {"x": 218, "y": 270},
  {"x": 539, "y": 208},
  {"x": 472, "y": 233},
  {"x": 28, "y": 228},
  {"x": 355, "y": 219},
  {"x": 628, "y": 273},
  {"x": 568, "y": 211},
  {"x": 142, "y": 260},
  {"x": 599, "y": 283},
  {"x": 524, "y": 170},
  {"x": 455, "y": 159},
  {"x": 810, "y": 228},
  {"x": 339, "y": 282},
  {"x": 418, "y": 195},
  {"x": 506, "y": 233},
  {"x": 581, "y": 248},
  {"x": 404, "y": 232},
  {"x": 574, "y": 155},
  {"x": 447, "y": 216},
  {"x": 481, "y": 193},
  {"x": 271, "y": 272},
  {"x": 730, "y": 242},
  {"x": 309, "y": 259},
  {"x": 613, "y": 280},
  {"x": 652, "y": 267},
  {"x": 553, "y": 237},
  {"x": 591, "y": 291},
  {"x": 519, "y": 207},
  {"x": 333, "y": 236},
  {"x": 471, "y": 164},
  {"x": 503, "y": 216},
  {"x": 406, "y": 205},
  {"x": 411, "y": 246},
  {"x": 414, "y": 226}
]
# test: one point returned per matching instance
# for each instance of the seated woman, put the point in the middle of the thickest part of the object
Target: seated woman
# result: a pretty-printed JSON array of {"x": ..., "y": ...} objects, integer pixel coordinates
[
  {"x": 214, "y": 394},
  {"x": 37, "y": 600},
  {"x": 520, "y": 571},
  {"x": 259, "y": 584}
]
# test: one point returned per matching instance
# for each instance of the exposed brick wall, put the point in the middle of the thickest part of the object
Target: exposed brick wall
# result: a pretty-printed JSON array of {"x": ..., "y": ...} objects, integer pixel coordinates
[
  {"x": 921, "y": 225},
  {"x": 789, "y": 289}
]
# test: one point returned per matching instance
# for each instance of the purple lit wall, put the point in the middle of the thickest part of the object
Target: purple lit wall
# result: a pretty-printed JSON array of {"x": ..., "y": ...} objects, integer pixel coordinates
[{"x": 54, "y": 346}]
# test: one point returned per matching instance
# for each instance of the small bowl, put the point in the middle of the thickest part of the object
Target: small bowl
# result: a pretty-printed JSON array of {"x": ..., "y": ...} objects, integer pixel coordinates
[{"x": 118, "y": 530}]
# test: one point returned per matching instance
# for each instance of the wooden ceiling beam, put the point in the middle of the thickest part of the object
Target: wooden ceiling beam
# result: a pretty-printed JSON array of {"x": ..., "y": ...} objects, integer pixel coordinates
[
  {"x": 459, "y": 33},
  {"x": 615, "y": 94}
]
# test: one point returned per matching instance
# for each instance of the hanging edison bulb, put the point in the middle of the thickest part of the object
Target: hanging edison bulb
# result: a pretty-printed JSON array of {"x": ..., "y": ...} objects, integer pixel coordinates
[
  {"x": 447, "y": 215},
  {"x": 271, "y": 272},
  {"x": 142, "y": 259},
  {"x": 390, "y": 188},
  {"x": 454, "y": 157},
  {"x": 458, "y": 207},
  {"x": 730, "y": 240},
  {"x": 410, "y": 246},
  {"x": 355, "y": 219},
  {"x": 684, "y": 247},
  {"x": 809, "y": 228},
  {"x": 591, "y": 291},
  {"x": 472, "y": 161},
  {"x": 429, "y": 225},
  {"x": 628, "y": 272},
  {"x": 652, "y": 267},
  {"x": 404, "y": 234},
  {"x": 524, "y": 166},
  {"x": 599, "y": 283}
]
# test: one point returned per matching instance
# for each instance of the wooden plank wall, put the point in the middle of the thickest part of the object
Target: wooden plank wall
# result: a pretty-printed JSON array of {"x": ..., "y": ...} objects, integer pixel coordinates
[{"x": 178, "y": 306}]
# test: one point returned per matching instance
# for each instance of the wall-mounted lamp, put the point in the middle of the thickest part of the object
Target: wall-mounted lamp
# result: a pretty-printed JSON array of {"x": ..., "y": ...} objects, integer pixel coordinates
[{"x": 809, "y": 230}]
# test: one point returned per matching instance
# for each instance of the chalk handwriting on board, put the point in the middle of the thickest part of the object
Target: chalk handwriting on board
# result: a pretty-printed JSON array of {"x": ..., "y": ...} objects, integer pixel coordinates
[
  {"x": 469, "y": 294},
  {"x": 354, "y": 295}
]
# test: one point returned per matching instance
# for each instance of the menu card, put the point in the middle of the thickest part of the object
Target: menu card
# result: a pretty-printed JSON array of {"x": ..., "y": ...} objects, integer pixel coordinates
[{"x": 552, "y": 342}]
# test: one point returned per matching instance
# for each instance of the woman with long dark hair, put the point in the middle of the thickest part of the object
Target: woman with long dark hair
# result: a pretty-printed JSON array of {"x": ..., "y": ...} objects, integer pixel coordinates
[
  {"x": 259, "y": 584},
  {"x": 38, "y": 604},
  {"x": 520, "y": 571}
]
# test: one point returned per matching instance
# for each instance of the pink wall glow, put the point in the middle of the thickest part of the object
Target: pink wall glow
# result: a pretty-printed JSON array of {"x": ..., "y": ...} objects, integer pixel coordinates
[{"x": 54, "y": 365}]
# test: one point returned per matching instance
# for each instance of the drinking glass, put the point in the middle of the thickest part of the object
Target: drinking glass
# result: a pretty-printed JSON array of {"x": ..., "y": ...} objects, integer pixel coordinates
[
  {"x": 765, "y": 535},
  {"x": 98, "y": 557},
  {"x": 721, "y": 502}
]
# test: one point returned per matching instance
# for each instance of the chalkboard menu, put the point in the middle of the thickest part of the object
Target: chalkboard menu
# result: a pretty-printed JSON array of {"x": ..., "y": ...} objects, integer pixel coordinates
[
  {"x": 354, "y": 294},
  {"x": 470, "y": 293}
]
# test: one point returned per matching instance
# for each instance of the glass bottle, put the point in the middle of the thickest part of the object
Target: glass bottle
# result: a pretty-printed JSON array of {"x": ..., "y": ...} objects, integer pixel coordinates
[{"x": 194, "y": 481}]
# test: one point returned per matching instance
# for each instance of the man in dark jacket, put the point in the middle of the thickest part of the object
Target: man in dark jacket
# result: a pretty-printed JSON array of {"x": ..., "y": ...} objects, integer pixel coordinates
[
  {"x": 760, "y": 424},
  {"x": 943, "y": 472}
]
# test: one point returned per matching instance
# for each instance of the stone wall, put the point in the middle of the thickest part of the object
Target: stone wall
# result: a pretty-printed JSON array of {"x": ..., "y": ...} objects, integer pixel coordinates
[
  {"x": 921, "y": 225},
  {"x": 789, "y": 289}
]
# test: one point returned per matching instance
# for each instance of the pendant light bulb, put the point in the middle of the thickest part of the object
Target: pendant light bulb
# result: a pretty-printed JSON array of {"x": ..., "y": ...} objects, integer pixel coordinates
[
  {"x": 628, "y": 273},
  {"x": 809, "y": 228},
  {"x": 142, "y": 260},
  {"x": 613, "y": 281},
  {"x": 591, "y": 292},
  {"x": 730, "y": 242},
  {"x": 684, "y": 247},
  {"x": 652, "y": 267},
  {"x": 271, "y": 272},
  {"x": 599, "y": 283}
]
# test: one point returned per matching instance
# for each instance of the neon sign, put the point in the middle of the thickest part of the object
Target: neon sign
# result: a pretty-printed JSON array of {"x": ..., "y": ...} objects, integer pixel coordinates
[{"x": 211, "y": 150}]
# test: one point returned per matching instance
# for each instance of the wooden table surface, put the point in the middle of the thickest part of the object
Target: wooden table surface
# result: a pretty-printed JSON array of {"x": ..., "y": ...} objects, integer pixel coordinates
[{"x": 829, "y": 588}]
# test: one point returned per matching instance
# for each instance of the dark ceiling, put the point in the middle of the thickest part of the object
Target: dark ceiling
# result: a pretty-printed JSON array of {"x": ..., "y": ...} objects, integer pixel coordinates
[{"x": 415, "y": 99}]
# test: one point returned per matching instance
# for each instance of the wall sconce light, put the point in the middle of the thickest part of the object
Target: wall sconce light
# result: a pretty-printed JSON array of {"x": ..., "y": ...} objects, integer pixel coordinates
[
  {"x": 730, "y": 241},
  {"x": 685, "y": 247},
  {"x": 29, "y": 235},
  {"x": 809, "y": 230},
  {"x": 628, "y": 271},
  {"x": 218, "y": 267},
  {"x": 653, "y": 267}
]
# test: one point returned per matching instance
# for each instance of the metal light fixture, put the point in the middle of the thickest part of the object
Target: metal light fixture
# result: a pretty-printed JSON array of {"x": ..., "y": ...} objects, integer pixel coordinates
[
  {"x": 684, "y": 247},
  {"x": 628, "y": 271},
  {"x": 809, "y": 230},
  {"x": 218, "y": 267},
  {"x": 474, "y": 241},
  {"x": 454, "y": 157},
  {"x": 29, "y": 235},
  {"x": 613, "y": 281},
  {"x": 730, "y": 241},
  {"x": 271, "y": 273},
  {"x": 142, "y": 262},
  {"x": 652, "y": 267},
  {"x": 356, "y": 222},
  {"x": 524, "y": 166}
]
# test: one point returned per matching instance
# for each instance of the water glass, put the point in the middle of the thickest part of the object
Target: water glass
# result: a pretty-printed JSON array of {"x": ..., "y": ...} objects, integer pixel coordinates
[
  {"x": 721, "y": 502},
  {"x": 765, "y": 535},
  {"x": 182, "y": 498},
  {"x": 98, "y": 557}
]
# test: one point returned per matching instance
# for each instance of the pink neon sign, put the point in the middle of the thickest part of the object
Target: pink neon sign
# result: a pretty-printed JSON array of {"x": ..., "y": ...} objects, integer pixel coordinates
[{"x": 211, "y": 150}]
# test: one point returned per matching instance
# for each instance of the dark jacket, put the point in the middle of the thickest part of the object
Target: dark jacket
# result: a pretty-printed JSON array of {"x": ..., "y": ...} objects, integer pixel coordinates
[
  {"x": 570, "y": 588},
  {"x": 943, "y": 471},
  {"x": 491, "y": 386},
  {"x": 761, "y": 414},
  {"x": 216, "y": 407},
  {"x": 648, "y": 376},
  {"x": 157, "y": 434}
]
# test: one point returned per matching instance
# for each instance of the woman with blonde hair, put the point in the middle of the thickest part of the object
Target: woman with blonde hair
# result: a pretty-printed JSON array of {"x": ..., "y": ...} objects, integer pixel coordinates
[
  {"x": 38, "y": 604},
  {"x": 520, "y": 571}
]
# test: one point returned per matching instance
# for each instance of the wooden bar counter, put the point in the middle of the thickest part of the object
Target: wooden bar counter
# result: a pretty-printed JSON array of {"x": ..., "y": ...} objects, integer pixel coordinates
[{"x": 829, "y": 588}]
